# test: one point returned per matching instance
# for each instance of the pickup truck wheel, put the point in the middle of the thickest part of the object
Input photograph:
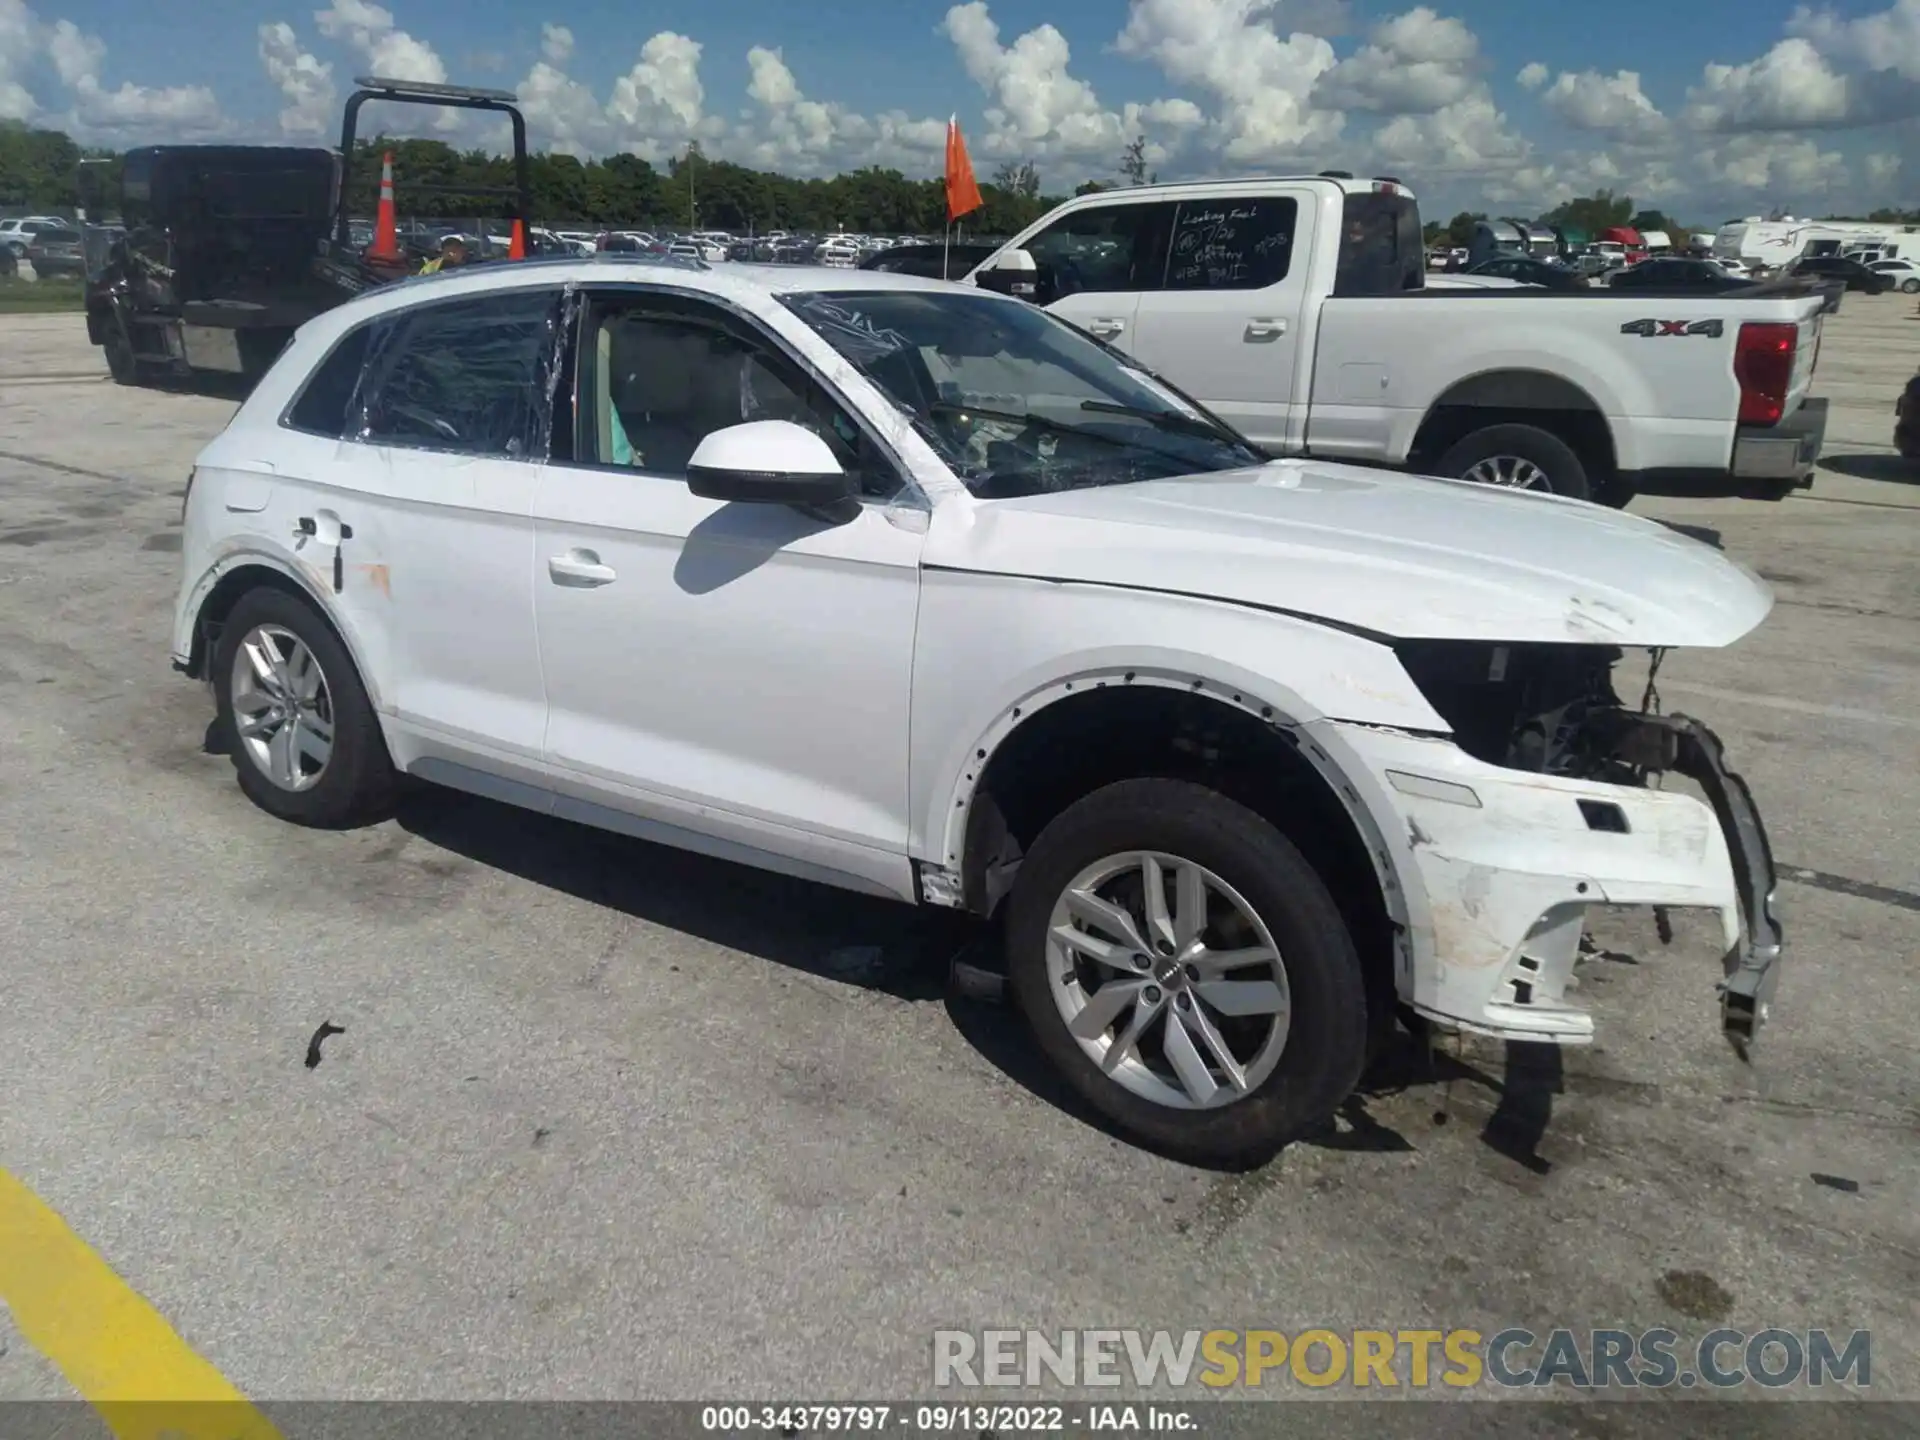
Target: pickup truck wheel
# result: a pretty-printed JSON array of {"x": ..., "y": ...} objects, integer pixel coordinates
[
  {"x": 1186, "y": 970},
  {"x": 1518, "y": 457},
  {"x": 121, "y": 365},
  {"x": 295, "y": 718}
]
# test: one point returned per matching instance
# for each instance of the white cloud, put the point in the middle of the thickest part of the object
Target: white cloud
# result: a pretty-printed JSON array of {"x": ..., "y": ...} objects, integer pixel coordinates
[
  {"x": 660, "y": 105},
  {"x": 1533, "y": 76},
  {"x": 1038, "y": 108},
  {"x": 809, "y": 137},
  {"x": 75, "y": 56},
  {"x": 1614, "y": 104},
  {"x": 1888, "y": 40},
  {"x": 556, "y": 44},
  {"x": 562, "y": 114},
  {"x": 1263, "y": 84},
  {"x": 1771, "y": 162},
  {"x": 18, "y": 39},
  {"x": 392, "y": 54},
  {"x": 1468, "y": 139},
  {"x": 390, "y": 51},
  {"x": 1413, "y": 64},
  {"x": 1790, "y": 87},
  {"x": 773, "y": 84},
  {"x": 1882, "y": 173},
  {"x": 304, "y": 81},
  {"x": 95, "y": 113}
]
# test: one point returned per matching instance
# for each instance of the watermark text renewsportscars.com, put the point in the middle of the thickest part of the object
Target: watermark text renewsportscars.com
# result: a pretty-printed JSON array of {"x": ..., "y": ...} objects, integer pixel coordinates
[{"x": 1456, "y": 1359}]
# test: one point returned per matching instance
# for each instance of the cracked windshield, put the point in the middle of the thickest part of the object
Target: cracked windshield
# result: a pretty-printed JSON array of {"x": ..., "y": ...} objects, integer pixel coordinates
[{"x": 1014, "y": 401}]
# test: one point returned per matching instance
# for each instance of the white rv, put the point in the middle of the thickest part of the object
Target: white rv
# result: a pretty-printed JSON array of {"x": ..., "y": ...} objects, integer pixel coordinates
[{"x": 1778, "y": 243}]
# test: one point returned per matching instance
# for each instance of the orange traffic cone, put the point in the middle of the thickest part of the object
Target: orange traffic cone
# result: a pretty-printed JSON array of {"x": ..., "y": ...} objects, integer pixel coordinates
[
  {"x": 386, "y": 235},
  {"x": 517, "y": 246}
]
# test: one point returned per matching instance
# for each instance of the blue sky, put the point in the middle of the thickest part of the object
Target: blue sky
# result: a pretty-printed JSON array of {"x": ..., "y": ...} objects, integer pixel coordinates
[{"x": 1477, "y": 103}]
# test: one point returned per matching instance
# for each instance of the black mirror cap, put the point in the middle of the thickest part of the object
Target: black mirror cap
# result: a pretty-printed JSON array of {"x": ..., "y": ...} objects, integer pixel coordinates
[
  {"x": 769, "y": 487},
  {"x": 1029, "y": 285}
]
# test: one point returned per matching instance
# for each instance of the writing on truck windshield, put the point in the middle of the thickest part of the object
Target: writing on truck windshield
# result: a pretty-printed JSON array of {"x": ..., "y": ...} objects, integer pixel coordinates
[{"x": 1015, "y": 401}]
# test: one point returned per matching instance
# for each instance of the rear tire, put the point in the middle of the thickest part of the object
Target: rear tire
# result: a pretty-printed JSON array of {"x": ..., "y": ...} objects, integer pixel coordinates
[
  {"x": 1518, "y": 457},
  {"x": 1910, "y": 287},
  {"x": 121, "y": 365},
  {"x": 1251, "y": 879},
  {"x": 325, "y": 764}
]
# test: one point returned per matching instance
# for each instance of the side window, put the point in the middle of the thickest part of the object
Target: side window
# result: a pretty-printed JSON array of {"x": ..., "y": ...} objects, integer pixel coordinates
[
  {"x": 1379, "y": 245},
  {"x": 658, "y": 378},
  {"x": 1104, "y": 249},
  {"x": 321, "y": 408},
  {"x": 1232, "y": 244},
  {"x": 468, "y": 376}
]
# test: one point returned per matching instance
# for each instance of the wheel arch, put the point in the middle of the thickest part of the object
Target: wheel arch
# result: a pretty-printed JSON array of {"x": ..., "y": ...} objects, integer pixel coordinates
[
  {"x": 1251, "y": 741},
  {"x": 1518, "y": 396},
  {"x": 223, "y": 586}
]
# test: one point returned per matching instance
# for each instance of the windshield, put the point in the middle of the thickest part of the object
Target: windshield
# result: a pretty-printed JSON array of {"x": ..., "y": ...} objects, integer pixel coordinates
[{"x": 1015, "y": 401}]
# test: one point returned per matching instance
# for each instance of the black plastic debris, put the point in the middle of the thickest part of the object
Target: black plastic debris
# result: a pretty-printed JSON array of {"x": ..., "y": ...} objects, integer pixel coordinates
[
  {"x": 319, "y": 1036},
  {"x": 1837, "y": 1182}
]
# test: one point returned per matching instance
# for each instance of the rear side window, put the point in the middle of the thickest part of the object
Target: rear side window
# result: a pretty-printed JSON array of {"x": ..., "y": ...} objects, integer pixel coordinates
[
  {"x": 1232, "y": 244},
  {"x": 468, "y": 376},
  {"x": 1381, "y": 248},
  {"x": 322, "y": 406}
]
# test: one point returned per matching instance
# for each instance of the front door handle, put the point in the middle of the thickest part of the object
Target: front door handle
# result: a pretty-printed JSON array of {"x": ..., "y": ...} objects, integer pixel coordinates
[
  {"x": 1265, "y": 329},
  {"x": 581, "y": 569},
  {"x": 1105, "y": 329}
]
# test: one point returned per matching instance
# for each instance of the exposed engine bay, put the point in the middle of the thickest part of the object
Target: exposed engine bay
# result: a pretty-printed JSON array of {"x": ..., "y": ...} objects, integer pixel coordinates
[
  {"x": 1554, "y": 710},
  {"x": 1545, "y": 708}
]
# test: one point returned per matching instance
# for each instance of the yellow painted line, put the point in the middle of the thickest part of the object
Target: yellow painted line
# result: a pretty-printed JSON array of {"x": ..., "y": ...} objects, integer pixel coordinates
[{"x": 114, "y": 1348}]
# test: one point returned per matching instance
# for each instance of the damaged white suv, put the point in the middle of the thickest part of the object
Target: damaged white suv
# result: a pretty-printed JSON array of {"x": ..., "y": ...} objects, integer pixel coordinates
[{"x": 920, "y": 591}]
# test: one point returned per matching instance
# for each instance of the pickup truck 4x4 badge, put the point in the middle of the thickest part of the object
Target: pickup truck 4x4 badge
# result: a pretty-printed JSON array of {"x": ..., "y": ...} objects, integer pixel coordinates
[{"x": 1656, "y": 328}]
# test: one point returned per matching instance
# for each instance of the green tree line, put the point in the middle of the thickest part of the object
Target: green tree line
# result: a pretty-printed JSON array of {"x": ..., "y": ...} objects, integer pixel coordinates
[{"x": 41, "y": 170}]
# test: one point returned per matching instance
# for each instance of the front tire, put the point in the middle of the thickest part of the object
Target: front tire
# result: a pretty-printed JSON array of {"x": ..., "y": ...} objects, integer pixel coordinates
[
  {"x": 297, "y": 723},
  {"x": 1518, "y": 457},
  {"x": 1216, "y": 1024},
  {"x": 121, "y": 364}
]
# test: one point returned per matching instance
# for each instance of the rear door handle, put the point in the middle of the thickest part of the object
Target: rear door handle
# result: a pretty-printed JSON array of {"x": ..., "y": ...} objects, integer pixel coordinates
[
  {"x": 581, "y": 569},
  {"x": 1105, "y": 328},
  {"x": 1265, "y": 329}
]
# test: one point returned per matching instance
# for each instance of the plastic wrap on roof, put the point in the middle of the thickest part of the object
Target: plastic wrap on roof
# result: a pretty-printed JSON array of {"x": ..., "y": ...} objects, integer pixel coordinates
[{"x": 477, "y": 375}]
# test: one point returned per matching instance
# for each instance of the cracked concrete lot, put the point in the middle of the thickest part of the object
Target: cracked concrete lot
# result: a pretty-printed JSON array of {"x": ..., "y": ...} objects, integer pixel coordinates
[{"x": 605, "y": 1121}]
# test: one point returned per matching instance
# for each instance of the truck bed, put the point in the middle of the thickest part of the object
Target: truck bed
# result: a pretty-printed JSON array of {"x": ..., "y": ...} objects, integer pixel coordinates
[{"x": 1658, "y": 367}]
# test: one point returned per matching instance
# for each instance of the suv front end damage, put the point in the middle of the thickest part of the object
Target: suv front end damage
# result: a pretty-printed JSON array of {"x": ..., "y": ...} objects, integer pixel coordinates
[{"x": 1545, "y": 801}]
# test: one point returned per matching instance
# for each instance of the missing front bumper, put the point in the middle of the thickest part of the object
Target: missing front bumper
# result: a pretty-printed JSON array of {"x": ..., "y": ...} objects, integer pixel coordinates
[{"x": 1683, "y": 746}]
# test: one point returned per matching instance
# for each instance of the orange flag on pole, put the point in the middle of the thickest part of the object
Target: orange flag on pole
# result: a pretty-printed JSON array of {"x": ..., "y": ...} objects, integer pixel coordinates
[{"x": 963, "y": 192}]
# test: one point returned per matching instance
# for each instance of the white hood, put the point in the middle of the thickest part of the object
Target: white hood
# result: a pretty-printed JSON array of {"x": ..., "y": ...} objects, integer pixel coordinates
[{"x": 1399, "y": 555}]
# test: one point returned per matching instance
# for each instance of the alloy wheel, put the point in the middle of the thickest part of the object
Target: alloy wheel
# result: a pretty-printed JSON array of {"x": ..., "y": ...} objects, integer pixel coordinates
[
  {"x": 1513, "y": 472},
  {"x": 1168, "y": 980},
  {"x": 282, "y": 707}
]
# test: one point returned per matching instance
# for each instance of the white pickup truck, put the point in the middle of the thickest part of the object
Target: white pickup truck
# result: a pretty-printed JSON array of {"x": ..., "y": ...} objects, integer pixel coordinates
[{"x": 1299, "y": 311}]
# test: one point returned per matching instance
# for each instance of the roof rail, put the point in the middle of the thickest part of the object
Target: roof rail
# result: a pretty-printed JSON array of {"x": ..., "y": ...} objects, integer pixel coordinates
[
  {"x": 641, "y": 257},
  {"x": 421, "y": 90},
  {"x": 1336, "y": 174}
]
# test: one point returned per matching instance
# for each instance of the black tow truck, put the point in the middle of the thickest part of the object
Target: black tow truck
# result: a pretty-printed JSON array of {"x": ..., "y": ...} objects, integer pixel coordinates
[{"x": 228, "y": 249}]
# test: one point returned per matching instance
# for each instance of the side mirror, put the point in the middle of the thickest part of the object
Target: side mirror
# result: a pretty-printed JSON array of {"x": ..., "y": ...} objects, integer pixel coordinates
[
  {"x": 768, "y": 462},
  {"x": 1013, "y": 272}
]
